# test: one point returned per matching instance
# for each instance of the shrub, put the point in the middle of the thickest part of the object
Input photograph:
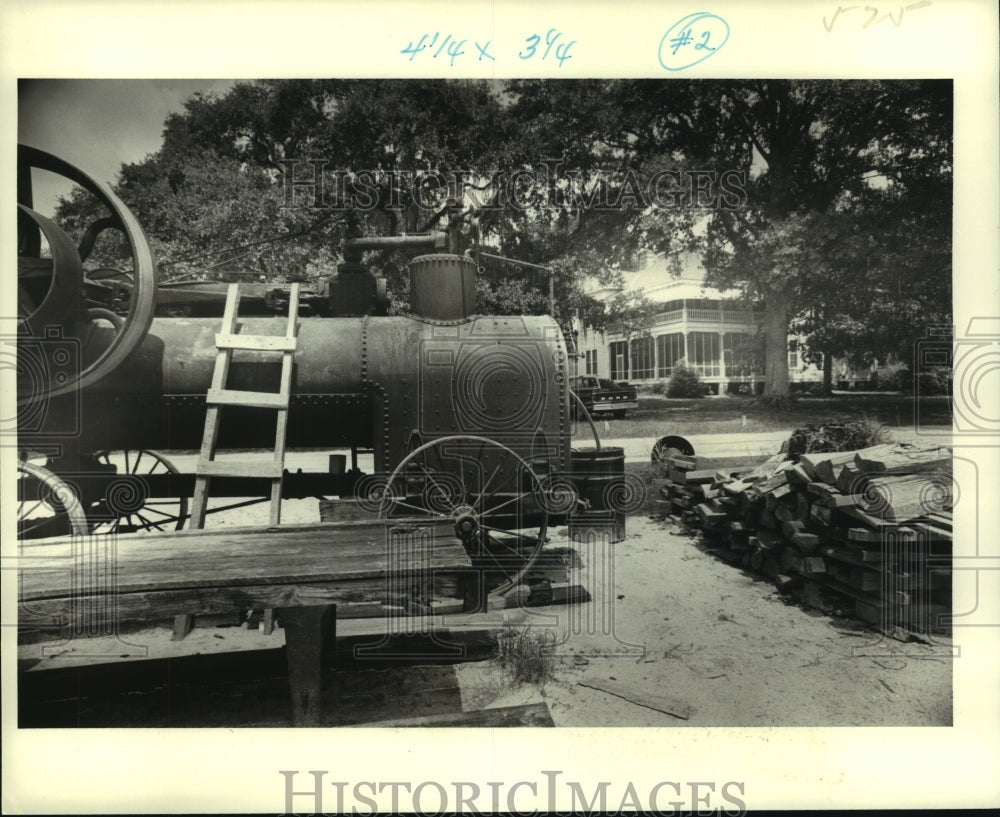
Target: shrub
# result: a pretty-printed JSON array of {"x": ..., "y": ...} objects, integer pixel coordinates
[
  {"x": 659, "y": 387},
  {"x": 928, "y": 382},
  {"x": 851, "y": 436},
  {"x": 685, "y": 382},
  {"x": 934, "y": 381},
  {"x": 891, "y": 378}
]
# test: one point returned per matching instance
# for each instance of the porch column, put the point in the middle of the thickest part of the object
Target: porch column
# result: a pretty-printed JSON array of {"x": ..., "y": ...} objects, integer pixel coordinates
[{"x": 723, "y": 382}]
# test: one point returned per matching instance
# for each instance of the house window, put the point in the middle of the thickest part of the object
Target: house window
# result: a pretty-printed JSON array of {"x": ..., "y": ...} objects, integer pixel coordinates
[
  {"x": 591, "y": 361},
  {"x": 619, "y": 360},
  {"x": 669, "y": 349},
  {"x": 737, "y": 351},
  {"x": 793, "y": 353},
  {"x": 642, "y": 358},
  {"x": 704, "y": 354}
]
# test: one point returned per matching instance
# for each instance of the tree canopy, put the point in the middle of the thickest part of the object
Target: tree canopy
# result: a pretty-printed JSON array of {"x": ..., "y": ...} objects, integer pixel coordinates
[{"x": 829, "y": 202}]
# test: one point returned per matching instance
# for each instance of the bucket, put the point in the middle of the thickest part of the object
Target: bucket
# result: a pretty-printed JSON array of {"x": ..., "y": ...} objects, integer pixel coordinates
[{"x": 598, "y": 476}]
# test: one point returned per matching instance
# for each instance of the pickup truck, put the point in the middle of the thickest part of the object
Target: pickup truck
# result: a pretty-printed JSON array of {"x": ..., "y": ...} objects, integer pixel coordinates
[{"x": 603, "y": 396}]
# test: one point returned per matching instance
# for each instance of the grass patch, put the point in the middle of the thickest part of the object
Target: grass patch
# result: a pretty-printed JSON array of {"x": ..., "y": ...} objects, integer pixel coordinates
[{"x": 526, "y": 655}]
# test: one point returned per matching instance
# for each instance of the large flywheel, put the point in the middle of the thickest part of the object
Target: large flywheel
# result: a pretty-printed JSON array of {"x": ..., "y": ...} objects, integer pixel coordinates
[{"x": 55, "y": 293}]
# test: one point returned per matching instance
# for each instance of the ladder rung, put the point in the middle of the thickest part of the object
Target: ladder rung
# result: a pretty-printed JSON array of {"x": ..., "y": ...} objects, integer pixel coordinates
[
  {"x": 258, "y": 399},
  {"x": 239, "y": 468},
  {"x": 259, "y": 343}
]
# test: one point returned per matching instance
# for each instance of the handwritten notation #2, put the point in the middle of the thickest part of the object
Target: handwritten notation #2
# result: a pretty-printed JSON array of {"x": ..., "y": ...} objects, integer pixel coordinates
[{"x": 692, "y": 39}]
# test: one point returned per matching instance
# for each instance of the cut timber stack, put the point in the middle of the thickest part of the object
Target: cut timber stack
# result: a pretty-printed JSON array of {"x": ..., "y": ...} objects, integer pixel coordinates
[{"x": 865, "y": 533}]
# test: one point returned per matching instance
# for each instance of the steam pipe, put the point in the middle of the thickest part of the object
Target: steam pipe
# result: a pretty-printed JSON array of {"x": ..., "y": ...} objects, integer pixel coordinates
[{"x": 354, "y": 247}]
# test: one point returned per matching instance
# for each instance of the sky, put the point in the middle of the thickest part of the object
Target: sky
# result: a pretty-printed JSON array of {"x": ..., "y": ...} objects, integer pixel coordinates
[{"x": 98, "y": 125}]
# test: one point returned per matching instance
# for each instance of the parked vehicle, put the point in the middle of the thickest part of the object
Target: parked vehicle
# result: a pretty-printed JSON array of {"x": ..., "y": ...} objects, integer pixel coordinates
[{"x": 602, "y": 396}]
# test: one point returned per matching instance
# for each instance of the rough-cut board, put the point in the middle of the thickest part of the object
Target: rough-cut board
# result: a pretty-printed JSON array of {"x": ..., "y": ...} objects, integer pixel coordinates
[
  {"x": 821, "y": 466},
  {"x": 903, "y": 458},
  {"x": 203, "y": 571},
  {"x": 500, "y": 717},
  {"x": 904, "y": 497},
  {"x": 649, "y": 700}
]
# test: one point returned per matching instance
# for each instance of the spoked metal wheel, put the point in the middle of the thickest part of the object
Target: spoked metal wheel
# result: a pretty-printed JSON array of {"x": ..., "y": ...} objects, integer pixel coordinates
[
  {"x": 127, "y": 506},
  {"x": 47, "y": 505},
  {"x": 668, "y": 446},
  {"x": 493, "y": 500}
]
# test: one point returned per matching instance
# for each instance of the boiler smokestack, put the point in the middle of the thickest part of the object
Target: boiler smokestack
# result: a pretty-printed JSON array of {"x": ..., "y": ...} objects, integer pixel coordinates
[{"x": 442, "y": 287}]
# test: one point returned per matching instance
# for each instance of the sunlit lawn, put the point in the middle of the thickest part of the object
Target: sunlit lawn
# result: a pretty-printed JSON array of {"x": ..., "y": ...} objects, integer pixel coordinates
[{"x": 722, "y": 415}]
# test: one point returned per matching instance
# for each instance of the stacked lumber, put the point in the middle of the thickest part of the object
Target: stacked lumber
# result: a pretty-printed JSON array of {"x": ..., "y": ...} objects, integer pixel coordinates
[{"x": 865, "y": 533}]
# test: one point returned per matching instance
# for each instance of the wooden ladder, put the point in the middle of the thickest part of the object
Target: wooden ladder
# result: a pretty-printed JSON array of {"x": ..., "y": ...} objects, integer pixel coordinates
[{"x": 226, "y": 342}]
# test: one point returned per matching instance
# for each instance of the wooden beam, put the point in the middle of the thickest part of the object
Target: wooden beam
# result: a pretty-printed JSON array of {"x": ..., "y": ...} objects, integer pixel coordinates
[{"x": 307, "y": 632}]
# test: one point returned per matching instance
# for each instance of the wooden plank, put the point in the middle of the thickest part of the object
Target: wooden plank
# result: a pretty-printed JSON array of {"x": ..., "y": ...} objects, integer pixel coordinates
[
  {"x": 868, "y": 519},
  {"x": 802, "y": 506},
  {"x": 787, "y": 584},
  {"x": 798, "y": 475},
  {"x": 256, "y": 343},
  {"x": 498, "y": 718},
  {"x": 234, "y": 557},
  {"x": 811, "y": 565},
  {"x": 307, "y": 633},
  {"x": 904, "y": 458},
  {"x": 902, "y": 497},
  {"x": 820, "y": 515},
  {"x": 850, "y": 479},
  {"x": 835, "y": 499},
  {"x": 252, "y": 399},
  {"x": 819, "y": 466},
  {"x": 240, "y": 468},
  {"x": 698, "y": 477},
  {"x": 644, "y": 698},
  {"x": 777, "y": 483},
  {"x": 941, "y": 520},
  {"x": 806, "y": 541},
  {"x": 281, "y": 422},
  {"x": 856, "y": 556},
  {"x": 183, "y": 624},
  {"x": 710, "y": 515}
]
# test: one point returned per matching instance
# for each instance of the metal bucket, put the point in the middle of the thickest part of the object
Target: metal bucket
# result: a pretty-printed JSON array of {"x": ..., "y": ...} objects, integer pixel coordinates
[{"x": 598, "y": 477}]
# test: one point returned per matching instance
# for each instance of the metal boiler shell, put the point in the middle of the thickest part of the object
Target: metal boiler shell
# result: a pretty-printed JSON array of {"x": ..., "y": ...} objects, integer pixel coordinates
[{"x": 356, "y": 381}]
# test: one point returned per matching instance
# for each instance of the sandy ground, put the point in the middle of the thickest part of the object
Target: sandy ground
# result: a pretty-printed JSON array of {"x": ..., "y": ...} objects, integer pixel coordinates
[
  {"x": 673, "y": 636},
  {"x": 717, "y": 647}
]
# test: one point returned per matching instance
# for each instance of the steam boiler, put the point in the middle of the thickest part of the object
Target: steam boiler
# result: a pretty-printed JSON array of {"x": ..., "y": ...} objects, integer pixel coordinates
[{"x": 467, "y": 418}]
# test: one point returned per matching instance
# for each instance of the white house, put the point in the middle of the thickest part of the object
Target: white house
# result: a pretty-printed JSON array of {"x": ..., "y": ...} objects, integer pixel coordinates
[{"x": 708, "y": 329}]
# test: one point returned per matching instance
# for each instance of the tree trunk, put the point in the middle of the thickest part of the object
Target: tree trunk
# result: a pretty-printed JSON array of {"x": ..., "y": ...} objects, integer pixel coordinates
[
  {"x": 827, "y": 372},
  {"x": 776, "y": 322}
]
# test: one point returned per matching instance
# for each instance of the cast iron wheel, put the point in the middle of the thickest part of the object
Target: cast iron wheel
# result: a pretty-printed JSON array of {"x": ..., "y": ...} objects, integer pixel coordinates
[
  {"x": 669, "y": 446},
  {"x": 51, "y": 289},
  {"x": 47, "y": 505},
  {"x": 127, "y": 506},
  {"x": 493, "y": 499}
]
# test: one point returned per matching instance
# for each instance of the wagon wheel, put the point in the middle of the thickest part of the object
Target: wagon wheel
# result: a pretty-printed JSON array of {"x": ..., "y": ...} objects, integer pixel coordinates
[
  {"x": 47, "y": 505},
  {"x": 50, "y": 288},
  {"x": 666, "y": 447},
  {"x": 127, "y": 505},
  {"x": 490, "y": 495}
]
